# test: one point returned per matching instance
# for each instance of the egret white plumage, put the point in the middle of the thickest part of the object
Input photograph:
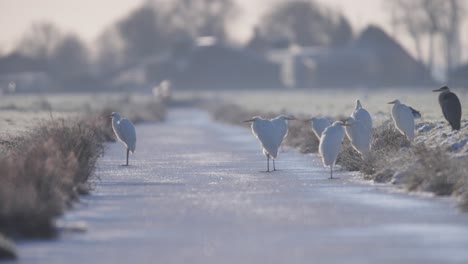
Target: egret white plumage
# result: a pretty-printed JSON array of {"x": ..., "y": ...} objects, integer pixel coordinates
[
  {"x": 267, "y": 133},
  {"x": 451, "y": 107},
  {"x": 318, "y": 125},
  {"x": 125, "y": 132},
  {"x": 163, "y": 91},
  {"x": 403, "y": 118},
  {"x": 360, "y": 130},
  {"x": 330, "y": 143},
  {"x": 282, "y": 127}
]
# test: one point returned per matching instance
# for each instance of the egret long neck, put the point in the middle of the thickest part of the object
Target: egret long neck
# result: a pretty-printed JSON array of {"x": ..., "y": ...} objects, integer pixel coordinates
[{"x": 115, "y": 122}]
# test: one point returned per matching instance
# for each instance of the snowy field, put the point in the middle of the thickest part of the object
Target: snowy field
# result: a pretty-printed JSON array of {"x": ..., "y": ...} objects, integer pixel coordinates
[
  {"x": 21, "y": 111},
  {"x": 336, "y": 102}
]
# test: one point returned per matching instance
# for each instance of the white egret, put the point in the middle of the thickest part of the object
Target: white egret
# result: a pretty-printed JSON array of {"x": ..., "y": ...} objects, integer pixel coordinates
[
  {"x": 403, "y": 119},
  {"x": 125, "y": 131},
  {"x": 266, "y": 132},
  {"x": 282, "y": 127},
  {"x": 330, "y": 143},
  {"x": 451, "y": 107},
  {"x": 318, "y": 125},
  {"x": 163, "y": 91},
  {"x": 360, "y": 130}
]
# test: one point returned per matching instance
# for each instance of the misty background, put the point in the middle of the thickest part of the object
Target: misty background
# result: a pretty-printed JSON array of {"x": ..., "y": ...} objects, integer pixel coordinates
[{"x": 301, "y": 44}]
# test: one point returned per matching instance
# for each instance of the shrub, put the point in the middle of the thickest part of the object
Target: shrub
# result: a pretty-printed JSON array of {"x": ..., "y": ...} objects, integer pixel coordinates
[
  {"x": 387, "y": 142},
  {"x": 41, "y": 174},
  {"x": 300, "y": 136},
  {"x": 434, "y": 171}
]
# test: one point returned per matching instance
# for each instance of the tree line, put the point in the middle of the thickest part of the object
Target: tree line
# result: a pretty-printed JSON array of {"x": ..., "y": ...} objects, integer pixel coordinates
[{"x": 158, "y": 27}]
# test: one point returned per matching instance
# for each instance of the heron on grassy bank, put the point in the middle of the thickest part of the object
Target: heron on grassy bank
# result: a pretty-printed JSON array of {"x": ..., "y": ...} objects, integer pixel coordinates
[
  {"x": 125, "y": 132},
  {"x": 451, "y": 107}
]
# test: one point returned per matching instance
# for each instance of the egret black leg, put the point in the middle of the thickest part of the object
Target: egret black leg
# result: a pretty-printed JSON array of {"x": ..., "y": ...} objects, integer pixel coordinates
[
  {"x": 127, "y": 156},
  {"x": 268, "y": 164},
  {"x": 274, "y": 167},
  {"x": 331, "y": 172}
]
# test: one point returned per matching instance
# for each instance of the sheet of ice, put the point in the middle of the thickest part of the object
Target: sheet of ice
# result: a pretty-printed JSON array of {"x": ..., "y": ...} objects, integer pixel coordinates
[{"x": 196, "y": 193}]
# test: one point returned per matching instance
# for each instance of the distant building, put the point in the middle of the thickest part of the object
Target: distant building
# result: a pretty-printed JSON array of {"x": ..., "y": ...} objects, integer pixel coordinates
[
  {"x": 257, "y": 43},
  {"x": 213, "y": 65},
  {"x": 373, "y": 59},
  {"x": 24, "y": 74}
]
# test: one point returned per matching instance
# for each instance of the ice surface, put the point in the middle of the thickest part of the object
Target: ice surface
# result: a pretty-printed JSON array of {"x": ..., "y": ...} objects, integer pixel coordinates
[{"x": 196, "y": 193}]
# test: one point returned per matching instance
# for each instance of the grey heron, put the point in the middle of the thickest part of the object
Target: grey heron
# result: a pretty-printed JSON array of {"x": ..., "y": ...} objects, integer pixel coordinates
[{"x": 451, "y": 107}]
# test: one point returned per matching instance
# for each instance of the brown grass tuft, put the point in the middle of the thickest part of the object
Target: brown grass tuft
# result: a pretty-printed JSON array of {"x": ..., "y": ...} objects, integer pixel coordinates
[
  {"x": 435, "y": 171},
  {"x": 300, "y": 136},
  {"x": 41, "y": 172}
]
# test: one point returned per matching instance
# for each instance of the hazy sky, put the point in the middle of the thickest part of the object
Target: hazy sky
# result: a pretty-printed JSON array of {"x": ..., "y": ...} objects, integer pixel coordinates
[{"x": 89, "y": 17}]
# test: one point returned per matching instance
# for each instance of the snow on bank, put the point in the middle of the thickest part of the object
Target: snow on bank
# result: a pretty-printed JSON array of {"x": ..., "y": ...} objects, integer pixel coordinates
[{"x": 440, "y": 134}]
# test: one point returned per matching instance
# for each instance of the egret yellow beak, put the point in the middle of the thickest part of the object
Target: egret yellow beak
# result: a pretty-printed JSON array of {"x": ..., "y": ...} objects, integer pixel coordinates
[
  {"x": 392, "y": 102},
  {"x": 247, "y": 121}
]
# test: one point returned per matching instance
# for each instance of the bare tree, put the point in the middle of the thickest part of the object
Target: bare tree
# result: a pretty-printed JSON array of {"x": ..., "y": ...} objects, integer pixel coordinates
[
  {"x": 451, "y": 31},
  {"x": 202, "y": 17},
  {"x": 426, "y": 21},
  {"x": 40, "y": 40},
  {"x": 69, "y": 59},
  {"x": 306, "y": 23},
  {"x": 142, "y": 33},
  {"x": 410, "y": 16},
  {"x": 110, "y": 51}
]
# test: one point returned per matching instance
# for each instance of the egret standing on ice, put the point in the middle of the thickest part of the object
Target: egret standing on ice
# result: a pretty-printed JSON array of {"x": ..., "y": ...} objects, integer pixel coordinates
[
  {"x": 403, "y": 119},
  {"x": 330, "y": 143},
  {"x": 360, "y": 130},
  {"x": 451, "y": 107},
  {"x": 319, "y": 125},
  {"x": 266, "y": 132},
  {"x": 125, "y": 131},
  {"x": 282, "y": 127}
]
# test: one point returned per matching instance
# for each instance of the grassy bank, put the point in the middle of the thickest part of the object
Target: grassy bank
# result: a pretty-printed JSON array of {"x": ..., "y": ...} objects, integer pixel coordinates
[
  {"x": 436, "y": 162},
  {"x": 43, "y": 171},
  {"x": 46, "y": 164}
]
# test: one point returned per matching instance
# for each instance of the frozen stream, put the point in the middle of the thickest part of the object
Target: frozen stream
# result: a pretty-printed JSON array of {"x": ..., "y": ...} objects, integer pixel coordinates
[{"x": 195, "y": 193}]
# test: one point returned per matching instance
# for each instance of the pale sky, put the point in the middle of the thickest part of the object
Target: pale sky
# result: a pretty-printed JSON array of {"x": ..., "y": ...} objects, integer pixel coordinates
[{"x": 88, "y": 18}]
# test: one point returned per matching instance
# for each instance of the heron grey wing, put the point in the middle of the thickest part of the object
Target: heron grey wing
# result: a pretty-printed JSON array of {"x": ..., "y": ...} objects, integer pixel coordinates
[{"x": 451, "y": 108}]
